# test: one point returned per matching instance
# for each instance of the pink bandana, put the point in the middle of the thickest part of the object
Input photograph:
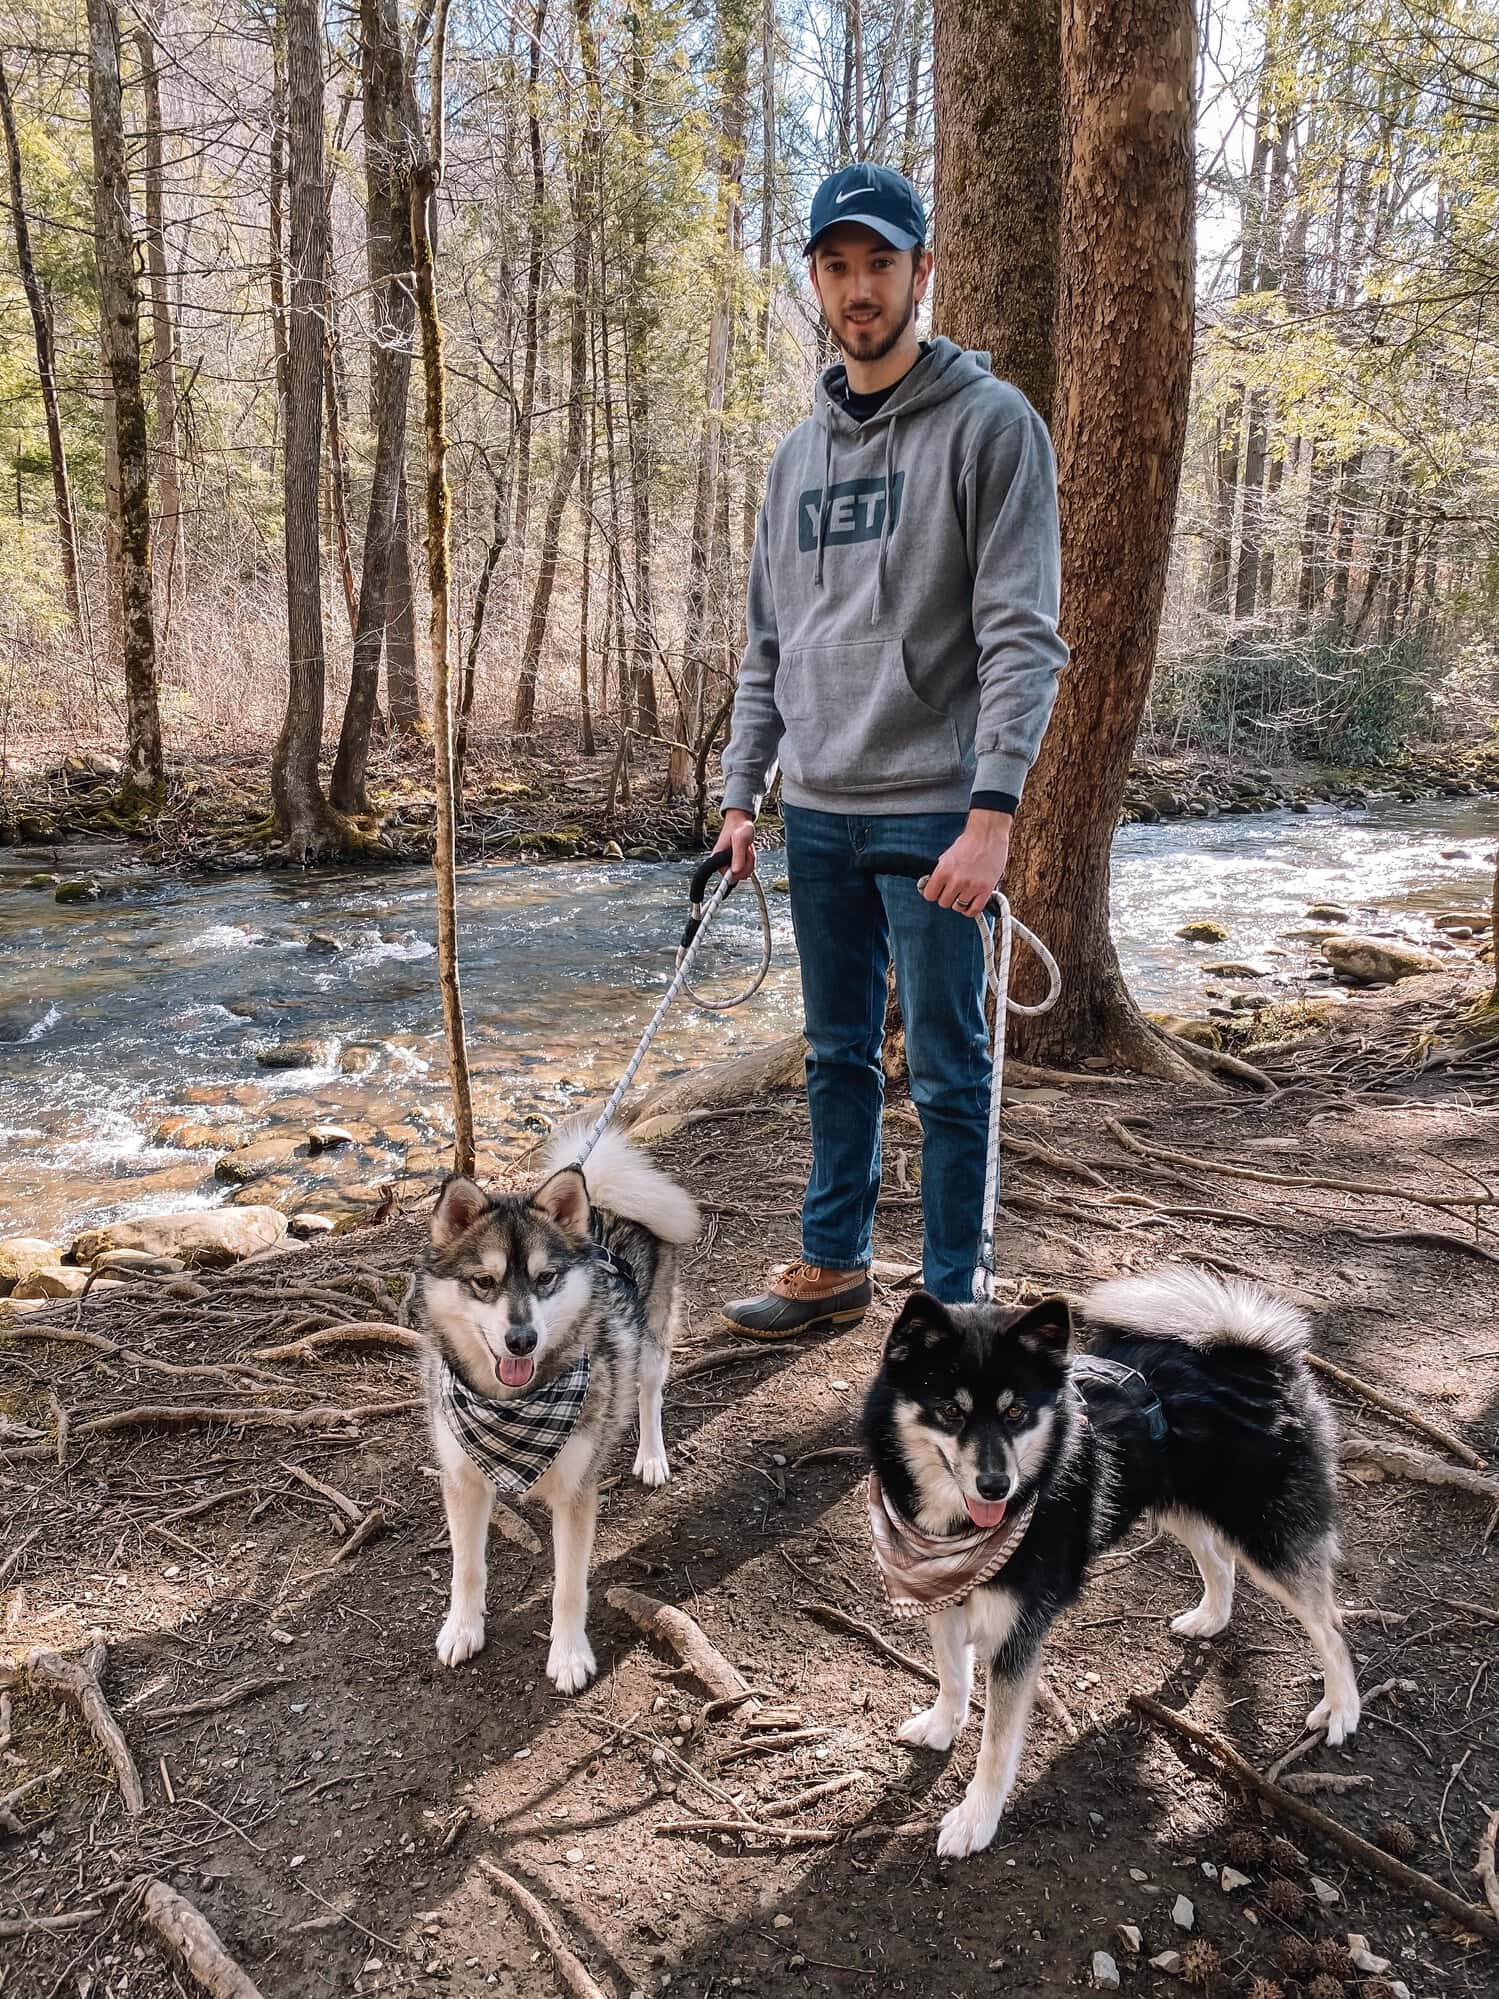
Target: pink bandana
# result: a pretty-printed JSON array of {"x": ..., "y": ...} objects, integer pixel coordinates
[{"x": 925, "y": 1572}]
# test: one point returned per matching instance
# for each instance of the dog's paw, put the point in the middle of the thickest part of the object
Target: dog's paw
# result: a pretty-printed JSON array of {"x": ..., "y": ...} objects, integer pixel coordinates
[
  {"x": 461, "y": 1636},
  {"x": 968, "y": 1827},
  {"x": 650, "y": 1467},
  {"x": 934, "y": 1728},
  {"x": 1338, "y": 1718},
  {"x": 1203, "y": 1622},
  {"x": 570, "y": 1663}
]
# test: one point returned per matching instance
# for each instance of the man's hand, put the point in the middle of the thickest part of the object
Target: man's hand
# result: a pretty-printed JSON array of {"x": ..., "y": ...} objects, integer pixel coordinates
[
  {"x": 739, "y": 835},
  {"x": 971, "y": 869}
]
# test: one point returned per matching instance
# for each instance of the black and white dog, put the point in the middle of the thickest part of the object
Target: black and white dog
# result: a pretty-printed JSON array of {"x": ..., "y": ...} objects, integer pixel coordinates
[{"x": 1001, "y": 1463}]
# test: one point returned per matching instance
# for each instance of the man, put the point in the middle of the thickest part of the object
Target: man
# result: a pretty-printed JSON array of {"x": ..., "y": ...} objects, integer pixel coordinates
[{"x": 903, "y": 657}]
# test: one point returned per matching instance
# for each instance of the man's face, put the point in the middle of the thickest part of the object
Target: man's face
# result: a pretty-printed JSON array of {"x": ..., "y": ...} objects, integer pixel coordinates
[{"x": 868, "y": 291}]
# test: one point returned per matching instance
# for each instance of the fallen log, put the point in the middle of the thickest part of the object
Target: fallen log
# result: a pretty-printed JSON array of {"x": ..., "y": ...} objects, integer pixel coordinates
[{"x": 684, "y": 1636}]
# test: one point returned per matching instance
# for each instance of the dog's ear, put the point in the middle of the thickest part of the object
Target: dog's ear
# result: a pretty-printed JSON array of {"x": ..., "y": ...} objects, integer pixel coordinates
[
  {"x": 459, "y": 1206},
  {"x": 1046, "y": 1328},
  {"x": 923, "y": 1323},
  {"x": 564, "y": 1200}
]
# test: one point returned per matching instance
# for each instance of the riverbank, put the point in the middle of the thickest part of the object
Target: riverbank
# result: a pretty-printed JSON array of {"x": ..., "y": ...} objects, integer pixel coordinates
[
  {"x": 327, "y": 1795},
  {"x": 546, "y": 801}
]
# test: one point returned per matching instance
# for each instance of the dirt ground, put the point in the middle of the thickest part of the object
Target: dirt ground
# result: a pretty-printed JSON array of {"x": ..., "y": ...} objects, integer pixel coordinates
[{"x": 330, "y": 1816}]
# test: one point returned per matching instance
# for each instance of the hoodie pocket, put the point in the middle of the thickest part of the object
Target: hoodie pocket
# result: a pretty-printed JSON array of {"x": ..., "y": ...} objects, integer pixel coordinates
[{"x": 855, "y": 723}]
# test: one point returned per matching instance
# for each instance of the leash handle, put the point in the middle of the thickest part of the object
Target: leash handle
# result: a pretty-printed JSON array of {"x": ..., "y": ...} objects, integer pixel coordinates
[
  {"x": 916, "y": 868},
  {"x": 709, "y": 866}
]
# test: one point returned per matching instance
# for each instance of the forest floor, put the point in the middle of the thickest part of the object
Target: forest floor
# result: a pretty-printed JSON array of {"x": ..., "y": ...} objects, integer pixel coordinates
[
  {"x": 544, "y": 798},
  {"x": 328, "y": 1795}
]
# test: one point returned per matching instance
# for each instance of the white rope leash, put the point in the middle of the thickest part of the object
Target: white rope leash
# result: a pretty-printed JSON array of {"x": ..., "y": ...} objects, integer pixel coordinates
[{"x": 997, "y": 981}]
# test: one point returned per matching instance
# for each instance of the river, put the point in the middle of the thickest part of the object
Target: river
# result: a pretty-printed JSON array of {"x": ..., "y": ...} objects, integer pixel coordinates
[{"x": 155, "y": 1003}]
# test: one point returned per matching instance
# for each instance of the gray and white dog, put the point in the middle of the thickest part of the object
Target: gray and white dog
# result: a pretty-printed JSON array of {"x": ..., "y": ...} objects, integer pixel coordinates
[{"x": 547, "y": 1318}]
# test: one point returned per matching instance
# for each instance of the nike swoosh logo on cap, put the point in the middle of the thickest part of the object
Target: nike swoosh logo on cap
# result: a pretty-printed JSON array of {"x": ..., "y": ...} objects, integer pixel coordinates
[{"x": 839, "y": 199}]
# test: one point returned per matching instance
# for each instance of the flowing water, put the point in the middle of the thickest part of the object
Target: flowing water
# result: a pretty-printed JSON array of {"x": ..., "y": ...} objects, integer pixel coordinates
[{"x": 156, "y": 1002}]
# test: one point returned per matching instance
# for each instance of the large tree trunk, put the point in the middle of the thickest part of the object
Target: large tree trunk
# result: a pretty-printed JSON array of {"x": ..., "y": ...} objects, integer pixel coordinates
[
  {"x": 1124, "y": 365},
  {"x": 46, "y": 369},
  {"x": 572, "y": 447},
  {"x": 389, "y": 144},
  {"x": 403, "y": 691},
  {"x": 1000, "y": 199},
  {"x": 302, "y": 816},
  {"x": 119, "y": 305},
  {"x": 525, "y": 692},
  {"x": 169, "y": 547},
  {"x": 424, "y": 183}
]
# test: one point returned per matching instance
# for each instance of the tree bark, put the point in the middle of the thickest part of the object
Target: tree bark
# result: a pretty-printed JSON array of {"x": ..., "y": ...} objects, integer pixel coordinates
[
  {"x": 910, "y": 158},
  {"x": 163, "y": 333},
  {"x": 424, "y": 183},
  {"x": 390, "y": 140},
  {"x": 403, "y": 690},
  {"x": 638, "y": 321},
  {"x": 46, "y": 366},
  {"x": 303, "y": 818},
  {"x": 1124, "y": 364},
  {"x": 525, "y": 695},
  {"x": 999, "y": 200},
  {"x": 119, "y": 304}
]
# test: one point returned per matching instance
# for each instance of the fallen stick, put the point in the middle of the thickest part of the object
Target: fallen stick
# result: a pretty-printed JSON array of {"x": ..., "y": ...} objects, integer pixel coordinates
[
  {"x": 827, "y": 1789},
  {"x": 1425, "y": 1239},
  {"x": 1308, "y": 1743},
  {"x": 1485, "y": 1868},
  {"x": 25, "y": 1926},
  {"x": 77, "y": 1680},
  {"x": 782, "y": 1741},
  {"x": 1468, "y": 1914},
  {"x": 704, "y": 1363},
  {"x": 793, "y": 1835},
  {"x": 353, "y": 1513},
  {"x": 1392, "y": 1405},
  {"x": 684, "y": 1636},
  {"x": 828, "y": 1451},
  {"x": 8, "y": 1820},
  {"x": 1476, "y": 1609},
  {"x": 514, "y": 1528},
  {"x": 571, "y": 1969},
  {"x": 17, "y": 1552},
  {"x": 1406, "y": 1463},
  {"x": 1303, "y": 1781},
  {"x": 359, "y": 1332},
  {"x": 179, "y": 1415},
  {"x": 373, "y": 1523},
  {"x": 191, "y": 1939},
  {"x": 211, "y": 1703}
]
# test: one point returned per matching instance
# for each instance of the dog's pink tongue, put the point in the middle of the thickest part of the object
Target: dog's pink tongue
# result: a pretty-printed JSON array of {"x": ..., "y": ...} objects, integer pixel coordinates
[
  {"x": 516, "y": 1370},
  {"x": 985, "y": 1512}
]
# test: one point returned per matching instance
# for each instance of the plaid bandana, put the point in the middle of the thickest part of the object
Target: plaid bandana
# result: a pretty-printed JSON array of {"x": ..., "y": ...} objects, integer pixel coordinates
[
  {"x": 925, "y": 1572},
  {"x": 513, "y": 1443}
]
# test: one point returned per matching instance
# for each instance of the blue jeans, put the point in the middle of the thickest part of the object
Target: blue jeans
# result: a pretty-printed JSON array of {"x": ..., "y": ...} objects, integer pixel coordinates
[{"x": 846, "y": 925}]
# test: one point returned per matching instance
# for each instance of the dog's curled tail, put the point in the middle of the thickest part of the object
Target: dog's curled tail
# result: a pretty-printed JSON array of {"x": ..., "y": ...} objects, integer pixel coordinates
[
  {"x": 627, "y": 1182},
  {"x": 1184, "y": 1303}
]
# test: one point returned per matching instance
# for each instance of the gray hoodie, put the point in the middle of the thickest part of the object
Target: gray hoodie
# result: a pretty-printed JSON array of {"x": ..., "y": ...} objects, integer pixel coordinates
[{"x": 902, "y": 610}]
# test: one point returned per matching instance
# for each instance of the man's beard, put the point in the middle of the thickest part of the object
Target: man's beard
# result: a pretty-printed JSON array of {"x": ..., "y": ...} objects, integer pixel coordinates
[{"x": 854, "y": 349}]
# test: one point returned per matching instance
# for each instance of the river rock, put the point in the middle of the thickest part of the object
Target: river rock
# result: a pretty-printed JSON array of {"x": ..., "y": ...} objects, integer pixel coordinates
[
  {"x": 305, "y": 1224},
  {"x": 1229, "y": 970},
  {"x": 77, "y": 891},
  {"x": 322, "y": 944},
  {"x": 315, "y": 1054},
  {"x": 188, "y": 1136},
  {"x": 324, "y": 1137},
  {"x": 139, "y": 1263},
  {"x": 1373, "y": 961},
  {"x": 21, "y": 1308},
  {"x": 1327, "y": 912},
  {"x": 1455, "y": 921},
  {"x": 264, "y": 1155},
  {"x": 20, "y": 1255},
  {"x": 41, "y": 881},
  {"x": 1204, "y": 930},
  {"x": 205, "y": 1238},
  {"x": 56, "y": 1280}
]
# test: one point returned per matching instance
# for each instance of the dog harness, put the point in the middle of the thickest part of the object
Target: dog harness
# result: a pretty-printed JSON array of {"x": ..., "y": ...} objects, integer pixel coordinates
[
  {"x": 925, "y": 1572},
  {"x": 1138, "y": 1395},
  {"x": 514, "y": 1442}
]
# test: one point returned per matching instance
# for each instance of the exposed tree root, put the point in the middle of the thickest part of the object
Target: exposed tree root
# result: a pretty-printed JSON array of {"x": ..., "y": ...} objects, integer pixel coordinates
[
  {"x": 191, "y": 1939},
  {"x": 1468, "y": 1914},
  {"x": 684, "y": 1636},
  {"x": 571, "y": 1969},
  {"x": 77, "y": 1680},
  {"x": 363, "y": 1332},
  {"x": 1393, "y": 1405},
  {"x": 211, "y": 1703},
  {"x": 724, "y": 1085},
  {"x": 1485, "y": 1868},
  {"x": 176, "y": 1415}
]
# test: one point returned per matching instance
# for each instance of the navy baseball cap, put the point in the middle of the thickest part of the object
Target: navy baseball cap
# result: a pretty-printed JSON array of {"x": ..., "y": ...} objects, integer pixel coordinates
[{"x": 879, "y": 197}]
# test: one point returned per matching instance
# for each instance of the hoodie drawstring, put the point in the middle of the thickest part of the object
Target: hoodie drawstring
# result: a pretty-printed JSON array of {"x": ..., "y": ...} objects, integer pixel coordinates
[
  {"x": 879, "y": 567},
  {"x": 827, "y": 500}
]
